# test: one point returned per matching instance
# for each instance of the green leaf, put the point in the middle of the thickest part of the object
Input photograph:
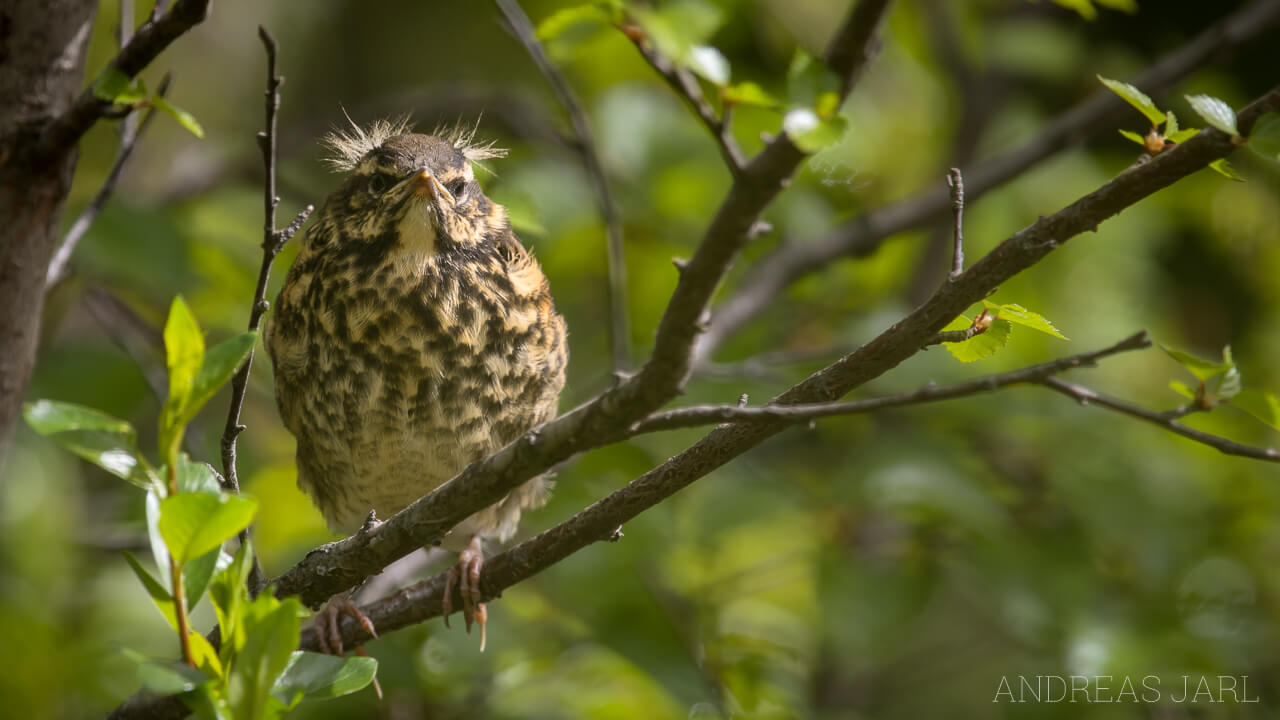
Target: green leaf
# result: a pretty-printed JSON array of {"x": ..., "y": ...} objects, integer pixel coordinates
[
  {"x": 749, "y": 93},
  {"x": 808, "y": 79},
  {"x": 198, "y": 573},
  {"x": 560, "y": 21},
  {"x": 204, "y": 656},
  {"x": 229, "y": 594},
  {"x": 1182, "y": 389},
  {"x": 979, "y": 346},
  {"x": 1201, "y": 368},
  {"x": 105, "y": 441},
  {"x": 184, "y": 351},
  {"x": 184, "y": 118},
  {"x": 312, "y": 676},
  {"x": 220, "y": 363},
  {"x": 1170, "y": 124},
  {"x": 1260, "y": 404},
  {"x": 1126, "y": 6},
  {"x": 1084, "y": 8},
  {"x": 1136, "y": 98},
  {"x": 1019, "y": 315},
  {"x": 165, "y": 678},
  {"x": 158, "y": 549},
  {"x": 1265, "y": 137},
  {"x": 207, "y": 703},
  {"x": 271, "y": 630},
  {"x": 676, "y": 28},
  {"x": 196, "y": 477},
  {"x": 1182, "y": 135},
  {"x": 114, "y": 86},
  {"x": 1229, "y": 384},
  {"x": 710, "y": 64},
  {"x": 158, "y": 592},
  {"x": 1134, "y": 137},
  {"x": 195, "y": 524},
  {"x": 812, "y": 133},
  {"x": 1225, "y": 169},
  {"x": 1215, "y": 112}
]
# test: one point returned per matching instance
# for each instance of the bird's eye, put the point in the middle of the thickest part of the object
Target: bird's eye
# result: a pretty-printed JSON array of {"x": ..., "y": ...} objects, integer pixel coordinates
[
  {"x": 456, "y": 188},
  {"x": 378, "y": 184}
]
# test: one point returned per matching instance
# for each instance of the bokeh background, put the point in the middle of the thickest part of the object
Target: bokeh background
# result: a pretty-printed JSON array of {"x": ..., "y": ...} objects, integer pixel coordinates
[{"x": 888, "y": 566}]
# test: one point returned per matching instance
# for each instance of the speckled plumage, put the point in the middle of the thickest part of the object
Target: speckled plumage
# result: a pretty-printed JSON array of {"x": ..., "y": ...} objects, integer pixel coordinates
[{"x": 413, "y": 336}]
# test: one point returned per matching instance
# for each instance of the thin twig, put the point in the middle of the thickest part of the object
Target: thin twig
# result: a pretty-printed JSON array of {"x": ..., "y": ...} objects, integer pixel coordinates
[
  {"x": 773, "y": 273},
  {"x": 704, "y": 414},
  {"x": 1085, "y": 396},
  {"x": 687, "y": 87},
  {"x": 272, "y": 242},
  {"x": 619, "y": 325},
  {"x": 131, "y": 131},
  {"x": 956, "y": 181}
]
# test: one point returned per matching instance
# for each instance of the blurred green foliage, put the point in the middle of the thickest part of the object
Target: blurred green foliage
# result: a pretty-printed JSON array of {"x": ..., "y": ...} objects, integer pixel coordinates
[{"x": 890, "y": 566}]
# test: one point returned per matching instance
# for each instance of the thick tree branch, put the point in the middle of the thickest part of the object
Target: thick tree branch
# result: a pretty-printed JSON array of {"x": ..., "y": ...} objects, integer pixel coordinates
[
  {"x": 1085, "y": 396},
  {"x": 147, "y": 43},
  {"x": 772, "y": 274},
  {"x": 619, "y": 325}
]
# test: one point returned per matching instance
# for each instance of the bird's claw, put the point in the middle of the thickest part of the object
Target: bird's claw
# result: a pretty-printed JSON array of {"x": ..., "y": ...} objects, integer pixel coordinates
[
  {"x": 465, "y": 576},
  {"x": 328, "y": 623}
]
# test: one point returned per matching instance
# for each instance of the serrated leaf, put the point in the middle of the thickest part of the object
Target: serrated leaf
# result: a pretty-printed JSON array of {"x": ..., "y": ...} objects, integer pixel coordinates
[
  {"x": 749, "y": 93},
  {"x": 157, "y": 591},
  {"x": 1201, "y": 368},
  {"x": 165, "y": 677},
  {"x": 314, "y": 676},
  {"x": 220, "y": 363},
  {"x": 1264, "y": 139},
  {"x": 710, "y": 64},
  {"x": 195, "y": 524},
  {"x": 1134, "y": 137},
  {"x": 105, "y": 441},
  {"x": 271, "y": 630},
  {"x": 184, "y": 118},
  {"x": 1225, "y": 169},
  {"x": 1182, "y": 389},
  {"x": 812, "y": 133},
  {"x": 1262, "y": 405},
  {"x": 1019, "y": 315},
  {"x": 1136, "y": 98},
  {"x": 979, "y": 346},
  {"x": 1215, "y": 112}
]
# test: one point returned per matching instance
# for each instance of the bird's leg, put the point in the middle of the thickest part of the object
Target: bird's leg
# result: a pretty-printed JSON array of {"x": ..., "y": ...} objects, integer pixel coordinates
[
  {"x": 465, "y": 574},
  {"x": 327, "y": 621}
]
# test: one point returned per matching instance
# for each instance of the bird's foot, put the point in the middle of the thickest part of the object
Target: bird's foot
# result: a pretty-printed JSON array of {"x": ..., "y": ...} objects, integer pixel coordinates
[
  {"x": 327, "y": 620},
  {"x": 465, "y": 575}
]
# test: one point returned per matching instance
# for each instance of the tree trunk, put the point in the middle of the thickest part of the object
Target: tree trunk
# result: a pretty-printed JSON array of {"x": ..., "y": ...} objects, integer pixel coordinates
[{"x": 42, "y": 56}]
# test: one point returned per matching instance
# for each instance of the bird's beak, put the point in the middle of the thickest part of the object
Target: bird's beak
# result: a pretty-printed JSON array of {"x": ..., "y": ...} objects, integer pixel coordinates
[{"x": 424, "y": 183}]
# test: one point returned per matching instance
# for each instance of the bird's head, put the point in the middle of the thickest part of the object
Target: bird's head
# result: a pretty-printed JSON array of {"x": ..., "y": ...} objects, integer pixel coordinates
[{"x": 409, "y": 191}]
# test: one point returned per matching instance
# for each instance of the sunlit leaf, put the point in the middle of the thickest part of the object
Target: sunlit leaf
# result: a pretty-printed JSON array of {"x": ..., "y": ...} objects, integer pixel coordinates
[
  {"x": 220, "y": 363},
  {"x": 204, "y": 656},
  {"x": 1127, "y": 6},
  {"x": 1182, "y": 135},
  {"x": 158, "y": 592},
  {"x": 1134, "y": 137},
  {"x": 105, "y": 441},
  {"x": 559, "y": 22},
  {"x": 1084, "y": 8},
  {"x": 184, "y": 354},
  {"x": 1225, "y": 169},
  {"x": 1265, "y": 137},
  {"x": 314, "y": 676},
  {"x": 1136, "y": 98},
  {"x": 748, "y": 93},
  {"x": 1182, "y": 389},
  {"x": 1229, "y": 384},
  {"x": 229, "y": 594},
  {"x": 1019, "y": 315},
  {"x": 195, "y": 524},
  {"x": 1201, "y": 368},
  {"x": 184, "y": 118},
  {"x": 676, "y": 28},
  {"x": 1170, "y": 124},
  {"x": 271, "y": 629},
  {"x": 1262, "y": 405},
  {"x": 979, "y": 346},
  {"x": 812, "y": 133},
  {"x": 115, "y": 87},
  {"x": 197, "y": 574},
  {"x": 1215, "y": 112},
  {"x": 710, "y": 64}
]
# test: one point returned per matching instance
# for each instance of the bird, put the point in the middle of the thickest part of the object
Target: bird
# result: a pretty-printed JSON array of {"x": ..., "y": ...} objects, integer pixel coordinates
[{"x": 413, "y": 335}]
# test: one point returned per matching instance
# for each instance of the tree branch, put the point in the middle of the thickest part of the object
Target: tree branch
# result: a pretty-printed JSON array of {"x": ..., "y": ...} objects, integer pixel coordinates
[
  {"x": 956, "y": 182},
  {"x": 619, "y": 325},
  {"x": 147, "y": 43},
  {"x": 773, "y": 273},
  {"x": 1085, "y": 396}
]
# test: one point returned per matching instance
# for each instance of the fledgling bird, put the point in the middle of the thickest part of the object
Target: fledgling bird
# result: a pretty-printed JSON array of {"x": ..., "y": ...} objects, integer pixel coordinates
[{"x": 413, "y": 336}]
